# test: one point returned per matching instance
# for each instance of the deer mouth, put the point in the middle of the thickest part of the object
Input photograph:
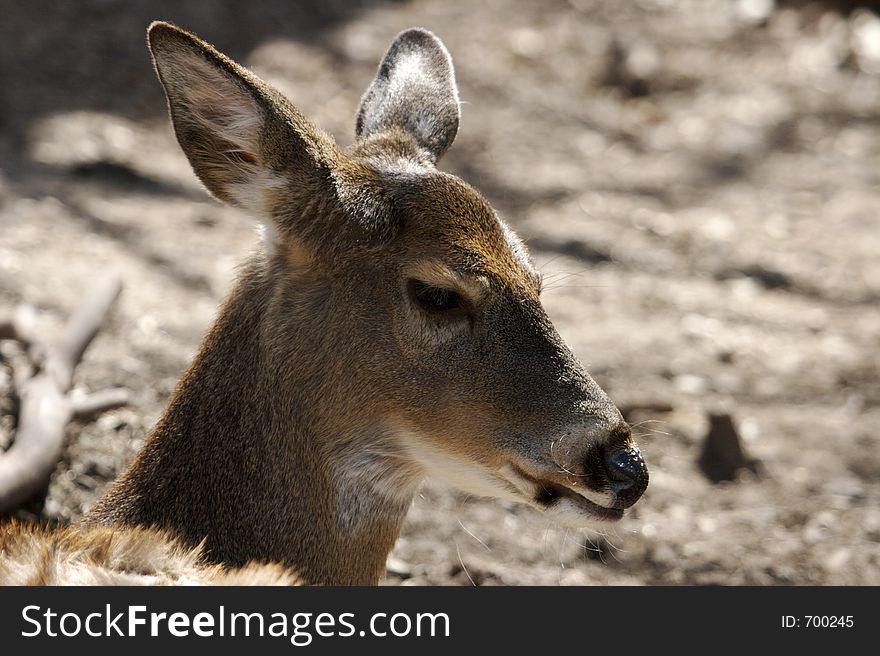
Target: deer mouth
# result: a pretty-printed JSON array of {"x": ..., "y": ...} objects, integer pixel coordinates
[
  {"x": 550, "y": 494},
  {"x": 560, "y": 500}
]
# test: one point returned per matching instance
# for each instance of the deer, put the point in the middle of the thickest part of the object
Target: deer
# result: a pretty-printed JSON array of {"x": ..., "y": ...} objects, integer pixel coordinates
[{"x": 388, "y": 328}]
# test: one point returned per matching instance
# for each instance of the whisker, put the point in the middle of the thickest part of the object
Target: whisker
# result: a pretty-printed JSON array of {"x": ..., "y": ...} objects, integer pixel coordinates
[
  {"x": 650, "y": 434},
  {"x": 473, "y": 536},
  {"x": 463, "y": 567},
  {"x": 541, "y": 267},
  {"x": 613, "y": 549},
  {"x": 643, "y": 424},
  {"x": 555, "y": 287},
  {"x": 562, "y": 467}
]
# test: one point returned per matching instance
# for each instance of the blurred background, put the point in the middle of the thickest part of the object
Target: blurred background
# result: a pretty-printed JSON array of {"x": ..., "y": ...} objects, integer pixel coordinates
[{"x": 698, "y": 180}]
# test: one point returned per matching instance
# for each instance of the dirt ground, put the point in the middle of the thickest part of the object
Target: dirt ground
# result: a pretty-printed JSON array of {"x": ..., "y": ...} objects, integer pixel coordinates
[{"x": 699, "y": 180}]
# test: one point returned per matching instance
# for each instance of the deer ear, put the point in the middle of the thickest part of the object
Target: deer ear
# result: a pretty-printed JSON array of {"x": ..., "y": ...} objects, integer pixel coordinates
[
  {"x": 243, "y": 139},
  {"x": 414, "y": 91}
]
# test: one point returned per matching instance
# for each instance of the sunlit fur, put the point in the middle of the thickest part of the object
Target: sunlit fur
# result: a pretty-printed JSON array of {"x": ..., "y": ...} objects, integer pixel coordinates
[{"x": 31, "y": 555}]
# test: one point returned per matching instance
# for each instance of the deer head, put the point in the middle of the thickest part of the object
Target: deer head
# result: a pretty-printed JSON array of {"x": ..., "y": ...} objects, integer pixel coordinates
[
  {"x": 397, "y": 318},
  {"x": 431, "y": 304}
]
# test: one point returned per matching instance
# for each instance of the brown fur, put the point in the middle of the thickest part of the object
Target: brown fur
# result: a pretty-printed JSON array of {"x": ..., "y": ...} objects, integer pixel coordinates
[{"x": 326, "y": 391}]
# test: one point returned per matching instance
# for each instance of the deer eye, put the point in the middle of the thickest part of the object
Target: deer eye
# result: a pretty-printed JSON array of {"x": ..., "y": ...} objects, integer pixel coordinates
[{"x": 433, "y": 299}]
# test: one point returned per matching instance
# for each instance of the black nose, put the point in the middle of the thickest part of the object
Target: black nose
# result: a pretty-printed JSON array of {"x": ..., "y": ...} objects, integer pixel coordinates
[{"x": 627, "y": 475}]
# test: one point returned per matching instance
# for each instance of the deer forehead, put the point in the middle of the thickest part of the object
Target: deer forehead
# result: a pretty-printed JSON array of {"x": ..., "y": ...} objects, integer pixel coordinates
[{"x": 453, "y": 231}]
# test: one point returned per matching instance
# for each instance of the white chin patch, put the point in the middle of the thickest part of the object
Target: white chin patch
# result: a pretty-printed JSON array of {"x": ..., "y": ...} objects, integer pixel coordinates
[
  {"x": 567, "y": 513},
  {"x": 458, "y": 472}
]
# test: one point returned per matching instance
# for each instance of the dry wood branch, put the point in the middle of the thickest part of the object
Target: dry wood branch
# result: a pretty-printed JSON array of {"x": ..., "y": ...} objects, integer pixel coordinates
[
  {"x": 43, "y": 388},
  {"x": 90, "y": 406},
  {"x": 18, "y": 324},
  {"x": 81, "y": 329}
]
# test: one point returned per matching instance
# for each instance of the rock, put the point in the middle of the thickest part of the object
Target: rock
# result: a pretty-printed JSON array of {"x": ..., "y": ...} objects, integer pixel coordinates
[
  {"x": 723, "y": 455},
  {"x": 755, "y": 12},
  {"x": 838, "y": 559},
  {"x": 691, "y": 384},
  {"x": 865, "y": 41},
  {"x": 631, "y": 67},
  {"x": 844, "y": 486},
  {"x": 397, "y": 567}
]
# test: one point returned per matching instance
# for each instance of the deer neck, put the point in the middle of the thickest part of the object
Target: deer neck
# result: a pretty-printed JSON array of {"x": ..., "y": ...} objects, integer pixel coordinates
[{"x": 255, "y": 456}]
